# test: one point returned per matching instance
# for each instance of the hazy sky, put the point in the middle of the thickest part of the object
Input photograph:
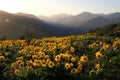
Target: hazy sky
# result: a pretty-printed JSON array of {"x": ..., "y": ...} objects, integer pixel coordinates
[{"x": 51, "y": 7}]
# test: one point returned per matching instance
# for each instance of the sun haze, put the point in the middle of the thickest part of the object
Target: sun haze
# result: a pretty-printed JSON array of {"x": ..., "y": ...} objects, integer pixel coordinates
[{"x": 51, "y": 7}]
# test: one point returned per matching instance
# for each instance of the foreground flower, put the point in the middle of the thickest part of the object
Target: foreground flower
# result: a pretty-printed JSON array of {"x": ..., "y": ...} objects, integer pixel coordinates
[
  {"x": 79, "y": 69},
  {"x": 73, "y": 59},
  {"x": 106, "y": 47},
  {"x": 97, "y": 66},
  {"x": 50, "y": 64},
  {"x": 43, "y": 63},
  {"x": 29, "y": 67},
  {"x": 13, "y": 64},
  {"x": 74, "y": 70},
  {"x": 84, "y": 58},
  {"x": 67, "y": 65},
  {"x": 57, "y": 58},
  {"x": 98, "y": 55},
  {"x": 17, "y": 71},
  {"x": 71, "y": 64},
  {"x": 2, "y": 58},
  {"x": 72, "y": 49},
  {"x": 35, "y": 64}
]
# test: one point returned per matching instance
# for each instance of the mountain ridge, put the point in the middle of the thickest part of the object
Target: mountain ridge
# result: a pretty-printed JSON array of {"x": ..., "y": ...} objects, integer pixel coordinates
[
  {"x": 13, "y": 25},
  {"x": 82, "y": 18}
]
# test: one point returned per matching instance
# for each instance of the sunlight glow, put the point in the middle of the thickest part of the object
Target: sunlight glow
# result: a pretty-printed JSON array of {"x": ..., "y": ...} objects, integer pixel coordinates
[
  {"x": 52, "y": 7},
  {"x": 10, "y": 6}
]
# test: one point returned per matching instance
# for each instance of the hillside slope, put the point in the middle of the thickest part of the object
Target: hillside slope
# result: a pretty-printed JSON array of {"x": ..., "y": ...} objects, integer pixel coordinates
[
  {"x": 110, "y": 30},
  {"x": 83, "y": 22},
  {"x": 12, "y": 25}
]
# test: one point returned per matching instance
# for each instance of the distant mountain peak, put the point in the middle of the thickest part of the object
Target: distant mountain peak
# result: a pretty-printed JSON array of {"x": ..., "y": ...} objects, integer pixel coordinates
[
  {"x": 61, "y": 15},
  {"x": 116, "y": 13},
  {"x": 86, "y": 12},
  {"x": 3, "y": 12},
  {"x": 113, "y": 15},
  {"x": 26, "y": 15}
]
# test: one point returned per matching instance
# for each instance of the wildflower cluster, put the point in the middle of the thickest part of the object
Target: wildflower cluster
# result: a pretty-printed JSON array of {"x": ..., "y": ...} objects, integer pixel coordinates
[{"x": 74, "y": 57}]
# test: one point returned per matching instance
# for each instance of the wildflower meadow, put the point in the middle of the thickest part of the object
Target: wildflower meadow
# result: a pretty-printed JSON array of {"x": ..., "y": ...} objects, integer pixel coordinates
[{"x": 82, "y": 57}]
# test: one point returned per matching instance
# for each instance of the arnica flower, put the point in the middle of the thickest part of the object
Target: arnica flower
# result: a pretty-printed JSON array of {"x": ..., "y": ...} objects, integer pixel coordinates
[
  {"x": 29, "y": 62},
  {"x": 72, "y": 49},
  {"x": 73, "y": 59},
  {"x": 21, "y": 64},
  {"x": 19, "y": 61},
  {"x": 67, "y": 52},
  {"x": 29, "y": 67},
  {"x": 2, "y": 58},
  {"x": 19, "y": 58},
  {"x": 17, "y": 71},
  {"x": 79, "y": 69},
  {"x": 35, "y": 64},
  {"x": 43, "y": 63},
  {"x": 67, "y": 56},
  {"x": 47, "y": 60},
  {"x": 84, "y": 58},
  {"x": 37, "y": 61},
  {"x": 57, "y": 58},
  {"x": 13, "y": 64},
  {"x": 42, "y": 54},
  {"x": 74, "y": 70},
  {"x": 50, "y": 64},
  {"x": 105, "y": 47},
  {"x": 100, "y": 43},
  {"x": 97, "y": 66},
  {"x": 71, "y": 64},
  {"x": 67, "y": 65},
  {"x": 47, "y": 56},
  {"x": 62, "y": 55},
  {"x": 34, "y": 56},
  {"x": 79, "y": 63},
  {"x": 98, "y": 55}
]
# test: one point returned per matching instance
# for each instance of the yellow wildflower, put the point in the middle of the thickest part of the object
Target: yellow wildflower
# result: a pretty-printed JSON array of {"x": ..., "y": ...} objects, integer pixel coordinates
[
  {"x": 84, "y": 58},
  {"x": 97, "y": 66},
  {"x": 71, "y": 64},
  {"x": 29, "y": 67},
  {"x": 17, "y": 71},
  {"x": 72, "y": 49},
  {"x": 13, "y": 64},
  {"x": 79, "y": 69},
  {"x": 57, "y": 58},
  {"x": 98, "y": 55},
  {"x": 67, "y": 65},
  {"x": 73, "y": 59},
  {"x": 50, "y": 64},
  {"x": 74, "y": 70},
  {"x": 43, "y": 63},
  {"x": 2, "y": 58}
]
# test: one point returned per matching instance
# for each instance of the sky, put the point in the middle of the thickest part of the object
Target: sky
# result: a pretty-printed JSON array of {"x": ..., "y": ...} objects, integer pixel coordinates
[{"x": 52, "y": 7}]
